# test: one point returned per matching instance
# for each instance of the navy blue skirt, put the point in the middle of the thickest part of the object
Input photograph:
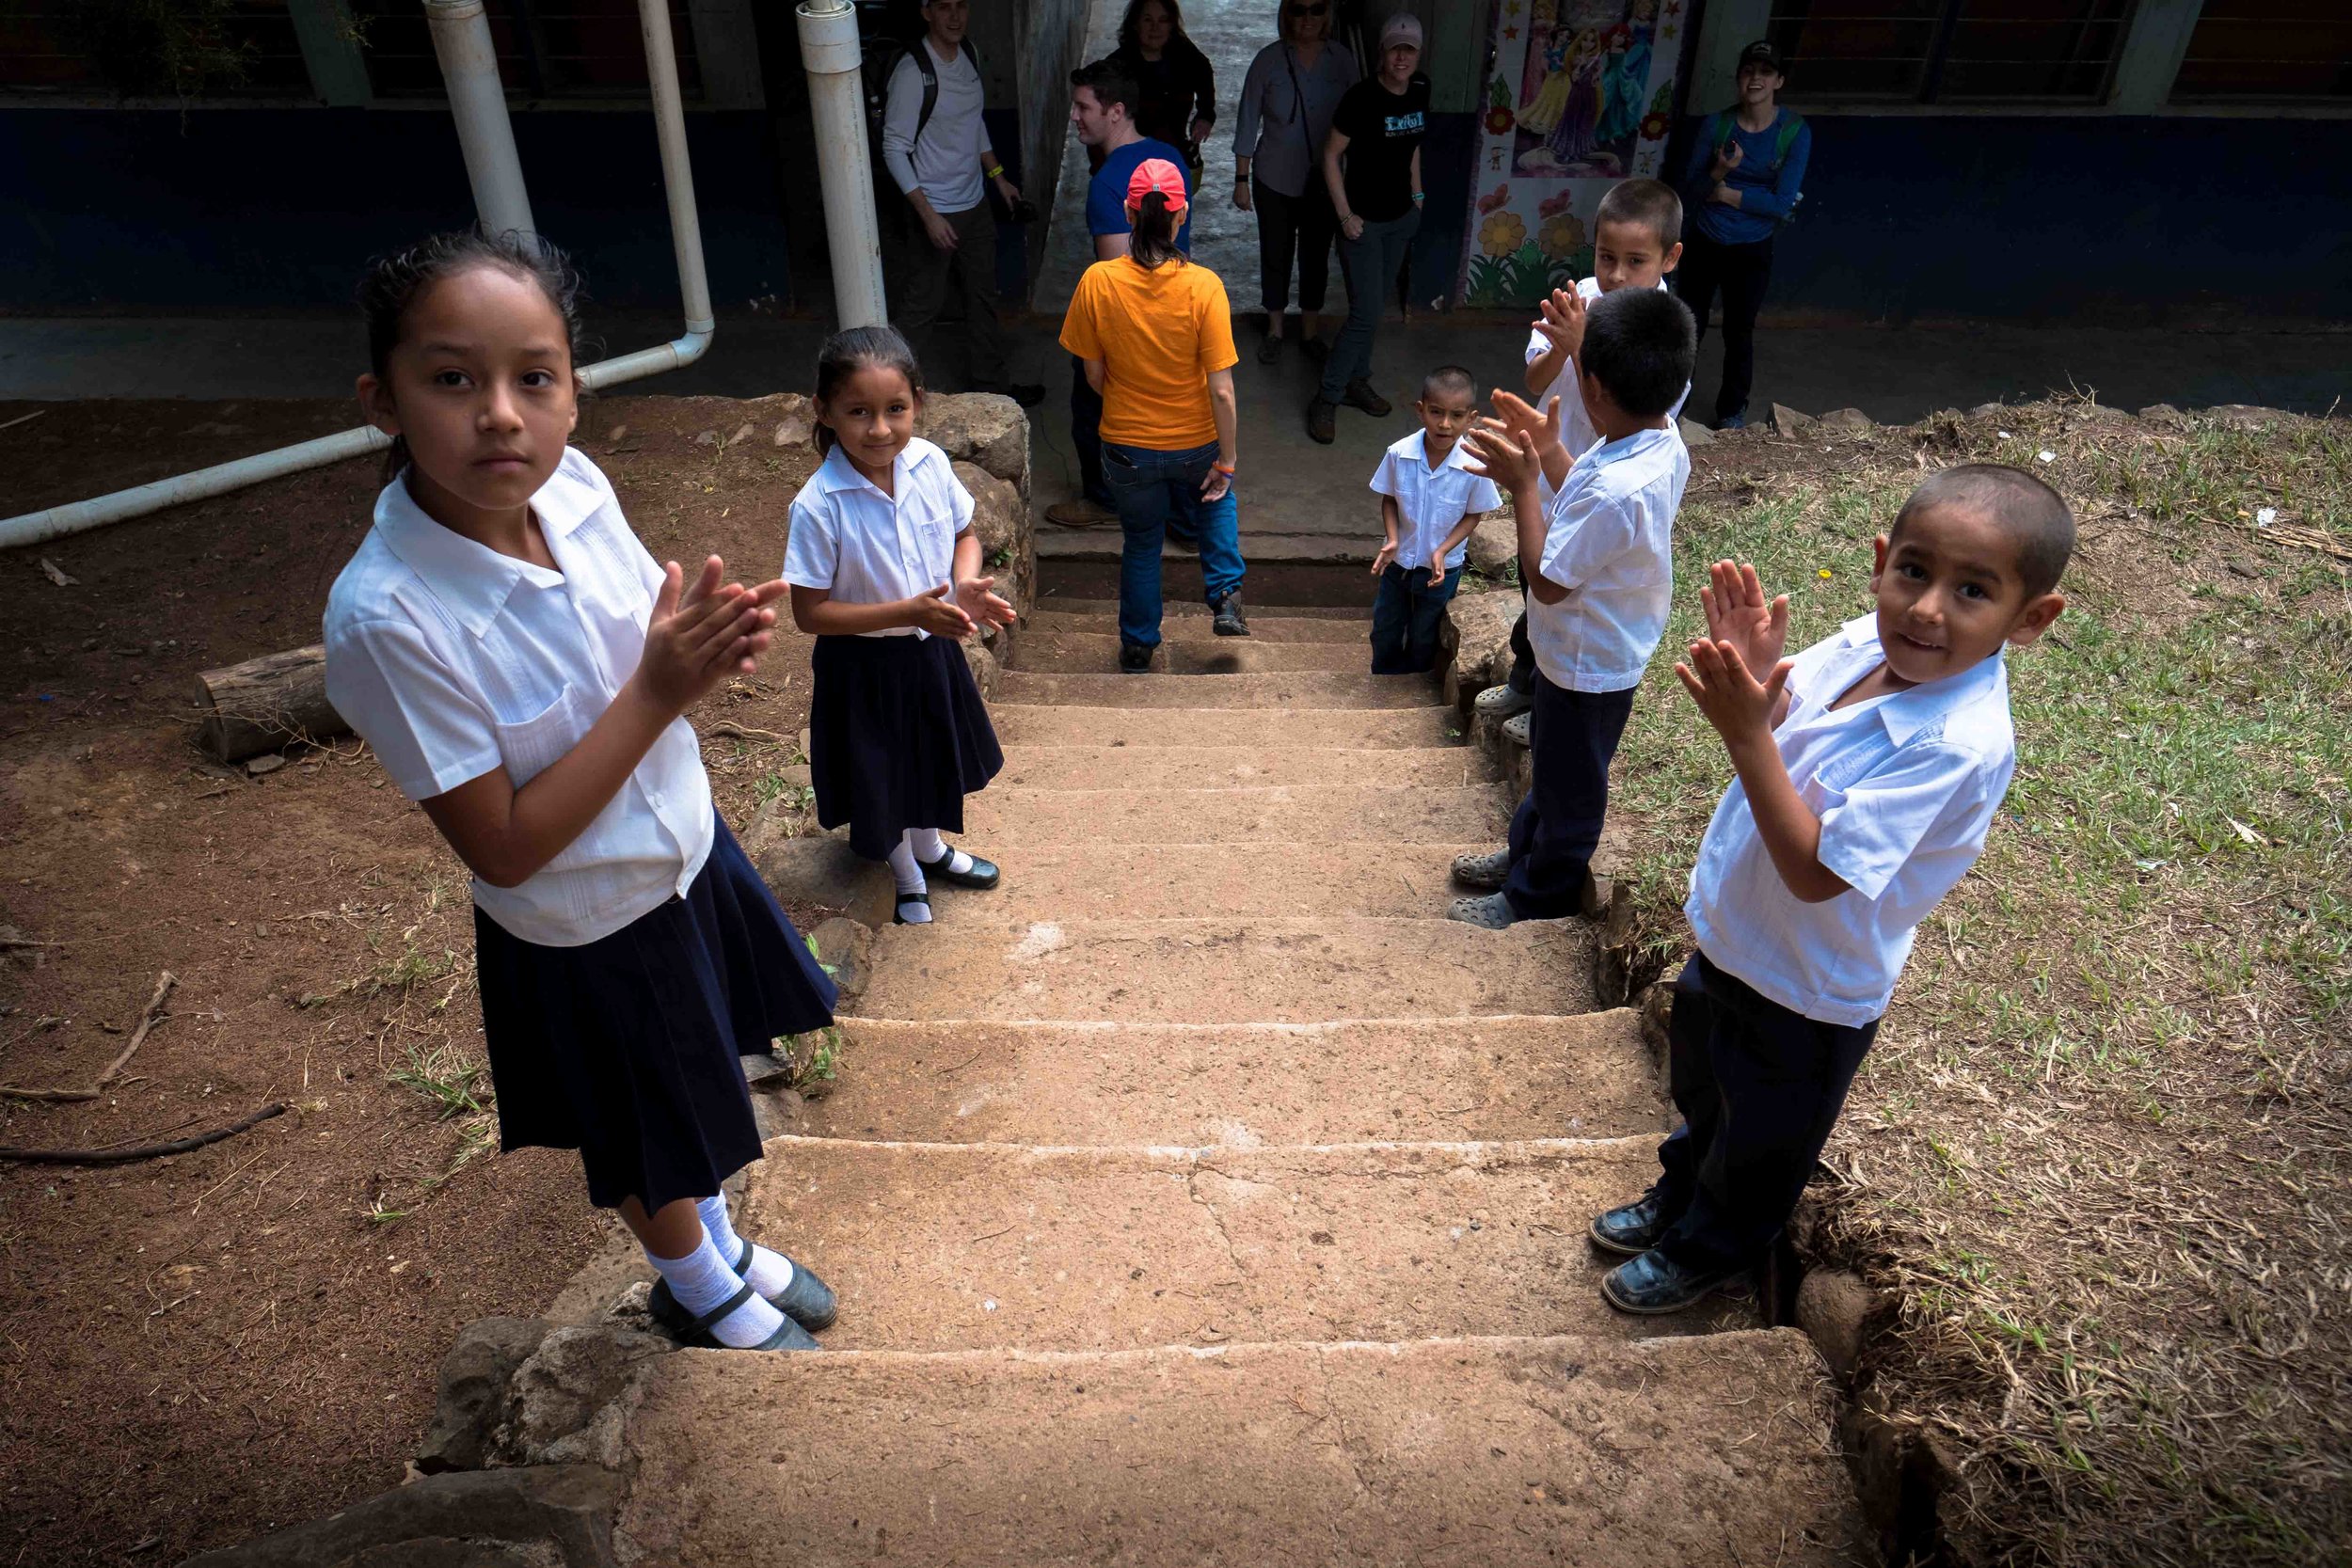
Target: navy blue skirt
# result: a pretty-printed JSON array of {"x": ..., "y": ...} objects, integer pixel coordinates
[
  {"x": 626, "y": 1047},
  {"x": 897, "y": 736}
]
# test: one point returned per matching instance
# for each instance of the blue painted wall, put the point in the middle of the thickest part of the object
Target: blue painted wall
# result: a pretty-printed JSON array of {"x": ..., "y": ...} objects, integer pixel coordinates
[{"x": 278, "y": 209}]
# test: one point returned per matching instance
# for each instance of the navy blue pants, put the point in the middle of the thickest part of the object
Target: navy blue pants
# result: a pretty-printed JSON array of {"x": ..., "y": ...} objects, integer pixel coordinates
[
  {"x": 1405, "y": 616},
  {"x": 1759, "y": 1086},
  {"x": 1557, "y": 828}
]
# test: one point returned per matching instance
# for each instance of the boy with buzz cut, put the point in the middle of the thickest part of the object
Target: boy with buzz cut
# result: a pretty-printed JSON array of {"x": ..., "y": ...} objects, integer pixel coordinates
[
  {"x": 1430, "y": 499},
  {"x": 1637, "y": 240},
  {"x": 1597, "y": 554},
  {"x": 1869, "y": 768}
]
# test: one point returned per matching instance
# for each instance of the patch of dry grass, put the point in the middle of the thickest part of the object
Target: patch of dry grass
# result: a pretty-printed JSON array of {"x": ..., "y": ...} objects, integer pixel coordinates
[{"x": 2101, "y": 1152}]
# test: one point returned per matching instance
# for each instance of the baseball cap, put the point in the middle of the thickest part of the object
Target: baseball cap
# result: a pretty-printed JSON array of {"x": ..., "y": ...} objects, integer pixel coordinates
[
  {"x": 1762, "y": 52},
  {"x": 1403, "y": 27},
  {"x": 1156, "y": 174}
]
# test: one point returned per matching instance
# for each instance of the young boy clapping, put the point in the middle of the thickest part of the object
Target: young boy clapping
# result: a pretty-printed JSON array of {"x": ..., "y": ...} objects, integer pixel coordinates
[{"x": 1869, "y": 770}]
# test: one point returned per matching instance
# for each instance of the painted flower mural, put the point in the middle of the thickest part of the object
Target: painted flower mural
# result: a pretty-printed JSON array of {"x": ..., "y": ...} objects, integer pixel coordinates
[
  {"x": 1561, "y": 236},
  {"x": 1654, "y": 127},
  {"x": 1501, "y": 233}
]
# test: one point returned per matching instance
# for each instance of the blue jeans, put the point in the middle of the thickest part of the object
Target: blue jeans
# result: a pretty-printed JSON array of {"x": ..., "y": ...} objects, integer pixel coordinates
[
  {"x": 1151, "y": 489},
  {"x": 1405, "y": 618},
  {"x": 1370, "y": 264}
]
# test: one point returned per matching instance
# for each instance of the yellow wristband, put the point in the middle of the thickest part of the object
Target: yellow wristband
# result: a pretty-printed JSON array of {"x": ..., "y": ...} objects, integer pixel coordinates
[{"x": 997, "y": 173}]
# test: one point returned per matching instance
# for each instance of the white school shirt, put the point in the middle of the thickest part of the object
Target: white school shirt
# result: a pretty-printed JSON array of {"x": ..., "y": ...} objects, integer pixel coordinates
[
  {"x": 944, "y": 161},
  {"x": 1576, "y": 425},
  {"x": 1609, "y": 541},
  {"x": 866, "y": 547},
  {"x": 1905, "y": 785},
  {"x": 1430, "y": 502},
  {"x": 451, "y": 659}
]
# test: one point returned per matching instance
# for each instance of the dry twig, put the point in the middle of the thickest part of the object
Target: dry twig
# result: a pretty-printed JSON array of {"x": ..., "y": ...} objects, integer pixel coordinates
[
  {"x": 143, "y": 1151},
  {"x": 138, "y": 1036}
]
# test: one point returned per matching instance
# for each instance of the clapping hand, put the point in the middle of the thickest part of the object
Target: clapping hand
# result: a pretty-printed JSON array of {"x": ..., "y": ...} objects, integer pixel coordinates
[
  {"x": 696, "y": 637},
  {"x": 935, "y": 612},
  {"x": 1509, "y": 463},
  {"x": 1735, "y": 702},
  {"x": 1738, "y": 614},
  {"x": 973, "y": 596},
  {"x": 1563, "y": 321}
]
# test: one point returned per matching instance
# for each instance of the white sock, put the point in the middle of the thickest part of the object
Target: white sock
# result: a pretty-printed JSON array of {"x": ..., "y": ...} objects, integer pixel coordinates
[
  {"x": 769, "y": 1273},
  {"x": 910, "y": 880},
  {"x": 701, "y": 1280},
  {"x": 929, "y": 847}
]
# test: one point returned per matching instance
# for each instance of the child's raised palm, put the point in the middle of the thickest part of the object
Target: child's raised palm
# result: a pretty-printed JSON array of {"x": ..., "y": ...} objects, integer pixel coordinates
[
  {"x": 1510, "y": 463},
  {"x": 696, "y": 639},
  {"x": 1563, "y": 320},
  {"x": 1740, "y": 706},
  {"x": 1738, "y": 613},
  {"x": 974, "y": 598},
  {"x": 1538, "y": 433}
]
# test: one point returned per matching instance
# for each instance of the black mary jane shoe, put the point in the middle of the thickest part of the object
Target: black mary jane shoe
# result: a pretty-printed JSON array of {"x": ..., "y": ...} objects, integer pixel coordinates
[
  {"x": 1633, "y": 1230},
  {"x": 807, "y": 1301},
  {"x": 984, "y": 875},
  {"x": 899, "y": 913},
  {"x": 694, "y": 1333},
  {"x": 1652, "y": 1285}
]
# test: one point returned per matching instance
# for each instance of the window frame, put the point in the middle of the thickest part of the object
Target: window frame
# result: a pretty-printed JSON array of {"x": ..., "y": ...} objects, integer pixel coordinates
[{"x": 1926, "y": 98}]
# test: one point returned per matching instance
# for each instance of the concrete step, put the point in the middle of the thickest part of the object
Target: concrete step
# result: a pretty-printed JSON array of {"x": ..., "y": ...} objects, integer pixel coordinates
[
  {"x": 1045, "y": 724},
  {"x": 1234, "y": 766},
  {"x": 1011, "y": 818},
  {"x": 1242, "y": 1084},
  {"x": 1304, "y": 689},
  {"x": 1196, "y": 970},
  {"x": 1559, "y": 1452},
  {"x": 1094, "y": 653},
  {"x": 1100, "y": 881},
  {"x": 1270, "y": 626},
  {"x": 950, "y": 1246},
  {"x": 1174, "y": 609}
]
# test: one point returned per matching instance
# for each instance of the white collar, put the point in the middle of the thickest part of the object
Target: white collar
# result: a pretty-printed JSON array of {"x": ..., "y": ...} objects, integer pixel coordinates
[
  {"x": 1456, "y": 457},
  {"x": 1907, "y": 712},
  {"x": 471, "y": 579},
  {"x": 836, "y": 472}
]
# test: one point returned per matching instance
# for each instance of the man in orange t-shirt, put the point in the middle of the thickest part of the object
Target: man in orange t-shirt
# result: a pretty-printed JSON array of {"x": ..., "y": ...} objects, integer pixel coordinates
[{"x": 1155, "y": 336}]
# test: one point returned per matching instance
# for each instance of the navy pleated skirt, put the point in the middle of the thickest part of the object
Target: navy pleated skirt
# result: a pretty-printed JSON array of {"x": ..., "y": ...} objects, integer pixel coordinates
[
  {"x": 626, "y": 1047},
  {"x": 897, "y": 736}
]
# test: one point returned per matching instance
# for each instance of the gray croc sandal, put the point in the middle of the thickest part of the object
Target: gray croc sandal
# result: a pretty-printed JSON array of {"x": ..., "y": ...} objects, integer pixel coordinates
[
  {"x": 694, "y": 1333},
  {"x": 1490, "y": 914},
  {"x": 807, "y": 1301},
  {"x": 1488, "y": 871}
]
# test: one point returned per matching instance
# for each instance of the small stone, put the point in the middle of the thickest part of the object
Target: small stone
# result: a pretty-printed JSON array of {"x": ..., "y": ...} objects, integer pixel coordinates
[
  {"x": 1693, "y": 433},
  {"x": 996, "y": 510},
  {"x": 268, "y": 762},
  {"x": 1833, "y": 1309},
  {"x": 2247, "y": 416},
  {"x": 706, "y": 439},
  {"x": 1494, "y": 542},
  {"x": 1987, "y": 411},
  {"x": 470, "y": 1401},
  {"x": 2165, "y": 416},
  {"x": 794, "y": 431},
  {"x": 820, "y": 869},
  {"x": 1848, "y": 421},
  {"x": 2244, "y": 568},
  {"x": 1789, "y": 422},
  {"x": 843, "y": 945},
  {"x": 762, "y": 1070},
  {"x": 796, "y": 774},
  {"x": 743, "y": 432}
]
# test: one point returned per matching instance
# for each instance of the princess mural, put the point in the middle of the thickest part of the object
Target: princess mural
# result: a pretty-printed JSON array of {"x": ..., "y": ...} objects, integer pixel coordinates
[{"x": 1580, "y": 98}]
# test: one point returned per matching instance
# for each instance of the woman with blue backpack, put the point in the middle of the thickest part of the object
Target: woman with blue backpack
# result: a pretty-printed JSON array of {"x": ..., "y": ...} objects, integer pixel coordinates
[{"x": 1745, "y": 176}]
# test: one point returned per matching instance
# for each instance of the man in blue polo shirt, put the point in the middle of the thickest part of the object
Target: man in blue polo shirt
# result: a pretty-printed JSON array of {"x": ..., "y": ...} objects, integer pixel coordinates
[{"x": 1102, "y": 105}]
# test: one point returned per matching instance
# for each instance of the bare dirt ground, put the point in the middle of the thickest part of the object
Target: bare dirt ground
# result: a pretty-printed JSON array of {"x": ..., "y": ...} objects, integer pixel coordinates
[{"x": 196, "y": 1348}]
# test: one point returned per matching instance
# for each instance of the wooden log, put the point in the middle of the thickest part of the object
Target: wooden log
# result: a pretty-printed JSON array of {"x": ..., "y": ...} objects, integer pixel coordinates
[{"x": 264, "y": 703}]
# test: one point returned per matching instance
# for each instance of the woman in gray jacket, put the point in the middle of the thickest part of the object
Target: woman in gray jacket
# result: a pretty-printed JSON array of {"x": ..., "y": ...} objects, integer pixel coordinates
[{"x": 1286, "y": 104}]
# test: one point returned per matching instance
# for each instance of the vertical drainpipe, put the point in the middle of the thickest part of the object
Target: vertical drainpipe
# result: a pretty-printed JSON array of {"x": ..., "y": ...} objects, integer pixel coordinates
[
  {"x": 836, "y": 97},
  {"x": 477, "y": 102}
]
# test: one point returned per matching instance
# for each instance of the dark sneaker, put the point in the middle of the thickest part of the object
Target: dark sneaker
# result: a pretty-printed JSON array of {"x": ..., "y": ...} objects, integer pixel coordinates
[
  {"x": 1229, "y": 621},
  {"x": 1652, "y": 1285},
  {"x": 1361, "y": 395},
  {"x": 1488, "y": 871},
  {"x": 1633, "y": 1230},
  {"x": 1733, "y": 422},
  {"x": 1320, "y": 421},
  {"x": 1269, "y": 350},
  {"x": 1134, "y": 658}
]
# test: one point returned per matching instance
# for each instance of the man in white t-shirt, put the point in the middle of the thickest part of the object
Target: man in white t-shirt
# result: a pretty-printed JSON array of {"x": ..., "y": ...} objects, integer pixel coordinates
[{"x": 935, "y": 146}]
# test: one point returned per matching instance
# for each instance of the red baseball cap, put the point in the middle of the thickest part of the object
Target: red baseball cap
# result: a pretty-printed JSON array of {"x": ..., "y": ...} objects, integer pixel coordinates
[{"x": 1156, "y": 174}]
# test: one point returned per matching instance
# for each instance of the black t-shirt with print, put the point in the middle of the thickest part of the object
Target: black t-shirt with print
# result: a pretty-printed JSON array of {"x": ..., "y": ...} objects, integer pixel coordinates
[{"x": 1382, "y": 129}]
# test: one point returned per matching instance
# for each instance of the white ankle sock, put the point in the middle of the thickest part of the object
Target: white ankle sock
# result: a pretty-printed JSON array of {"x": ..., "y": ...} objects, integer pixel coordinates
[
  {"x": 910, "y": 879},
  {"x": 701, "y": 1280},
  {"x": 929, "y": 847},
  {"x": 769, "y": 1273}
]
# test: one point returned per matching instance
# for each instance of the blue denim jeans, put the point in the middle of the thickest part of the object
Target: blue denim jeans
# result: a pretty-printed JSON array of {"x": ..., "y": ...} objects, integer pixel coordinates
[
  {"x": 1370, "y": 264},
  {"x": 1153, "y": 489},
  {"x": 1405, "y": 617}
]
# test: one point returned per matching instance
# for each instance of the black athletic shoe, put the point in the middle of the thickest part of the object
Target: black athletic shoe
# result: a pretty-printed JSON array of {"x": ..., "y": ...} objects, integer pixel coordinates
[
  {"x": 1633, "y": 1230},
  {"x": 1134, "y": 658},
  {"x": 1229, "y": 621}
]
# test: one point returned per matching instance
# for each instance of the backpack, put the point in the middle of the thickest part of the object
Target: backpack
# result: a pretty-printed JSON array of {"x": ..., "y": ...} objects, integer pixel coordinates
[
  {"x": 880, "y": 63},
  {"x": 1719, "y": 129}
]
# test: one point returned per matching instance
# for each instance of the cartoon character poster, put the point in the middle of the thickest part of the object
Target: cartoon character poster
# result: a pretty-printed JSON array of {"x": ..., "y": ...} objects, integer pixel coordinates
[{"x": 1582, "y": 97}]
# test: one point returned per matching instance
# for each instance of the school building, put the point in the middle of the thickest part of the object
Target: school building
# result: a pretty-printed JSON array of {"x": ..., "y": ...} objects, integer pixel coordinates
[{"x": 2146, "y": 161}]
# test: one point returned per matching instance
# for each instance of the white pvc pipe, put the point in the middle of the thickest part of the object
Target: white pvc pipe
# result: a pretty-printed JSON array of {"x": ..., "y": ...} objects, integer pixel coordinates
[
  {"x": 678, "y": 177},
  {"x": 836, "y": 97},
  {"x": 477, "y": 102}
]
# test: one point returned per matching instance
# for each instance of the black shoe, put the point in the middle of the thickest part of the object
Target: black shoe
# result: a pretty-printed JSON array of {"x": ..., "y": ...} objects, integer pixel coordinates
[
  {"x": 1633, "y": 1230},
  {"x": 1652, "y": 1286},
  {"x": 1134, "y": 658},
  {"x": 1320, "y": 421},
  {"x": 1269, "y": 350},
  {"x": 1229, "y": 621},
  {"x": 983, "y": 876},
  {"x": 1361, "y": 395}
]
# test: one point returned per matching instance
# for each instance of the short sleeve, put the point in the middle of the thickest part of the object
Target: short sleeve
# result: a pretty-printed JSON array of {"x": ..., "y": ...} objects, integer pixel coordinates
[
  {"x": 812, "y": 554},
  {"x": 960, "y": 500},
  {"x": 1217, "y": 325},
  {"x": 1079, "y": 334},
  {"x": 1106, "y": 202},
  {"x": 1385, "y": 477},
  {"x": 1345, "y": 119},
  {"x": 1537, "y": 344},
  {"x": 430, "y": 732},
  {"x": 1918, "y": 794},
  {"x": 1583, "y": 529}
]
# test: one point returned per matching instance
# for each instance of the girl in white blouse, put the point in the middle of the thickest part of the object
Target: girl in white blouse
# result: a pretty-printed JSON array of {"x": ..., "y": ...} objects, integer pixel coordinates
[
  {"x": 521, "y": 668},
  {"x": 884, "y": 570}
]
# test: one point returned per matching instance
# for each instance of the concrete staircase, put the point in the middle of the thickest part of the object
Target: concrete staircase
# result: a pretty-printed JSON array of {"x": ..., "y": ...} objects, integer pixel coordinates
[{"x": 1203, "y": 1197}]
